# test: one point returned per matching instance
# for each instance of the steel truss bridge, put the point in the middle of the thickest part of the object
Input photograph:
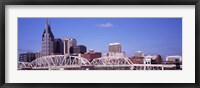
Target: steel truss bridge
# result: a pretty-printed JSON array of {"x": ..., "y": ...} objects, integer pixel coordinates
[{"x": 67, "y": 62}]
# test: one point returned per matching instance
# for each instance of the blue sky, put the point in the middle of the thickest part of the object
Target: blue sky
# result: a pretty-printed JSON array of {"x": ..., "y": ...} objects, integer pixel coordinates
[{"x": 151, "y": 35}]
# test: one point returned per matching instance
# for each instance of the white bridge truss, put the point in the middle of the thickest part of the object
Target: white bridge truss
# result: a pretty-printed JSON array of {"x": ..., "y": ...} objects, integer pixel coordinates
[
  {"x": 65, "y": 61},
  {"x": 105, "y": 61}
]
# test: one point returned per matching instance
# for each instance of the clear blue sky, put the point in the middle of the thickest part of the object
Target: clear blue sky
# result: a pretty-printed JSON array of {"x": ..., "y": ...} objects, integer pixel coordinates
[{"x": 151, "y": 35}]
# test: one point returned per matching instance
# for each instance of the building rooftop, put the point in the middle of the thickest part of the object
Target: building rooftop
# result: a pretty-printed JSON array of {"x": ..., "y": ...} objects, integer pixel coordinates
[
  {"x": 69, "y": 39},
  {"x": 174, "y": 56},
  {"x": 114, "y": 43}
]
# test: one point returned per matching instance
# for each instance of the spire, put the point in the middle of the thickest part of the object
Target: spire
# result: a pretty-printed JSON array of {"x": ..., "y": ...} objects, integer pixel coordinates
[
  {"x": 48, "y": 30},
  {"x": 47, "y": 25}
]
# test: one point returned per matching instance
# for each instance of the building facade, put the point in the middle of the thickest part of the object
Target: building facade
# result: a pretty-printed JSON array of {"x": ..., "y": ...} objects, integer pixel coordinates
[
  {"x": 149, "y": 58},
  {"x": 153, "y": 59},
  {"x": 139, "y": 54},
  {"x": 69, "y": 42},
  {"x": 47, "y": 40},
  {"x": 173, "y": 59},
  {"x": 58, "y": 47},
  {"x": 83, "y": 49},
  {"x": 92, "y": 55},
  {"x": 74, "y": 50},
  {"x": 116, "y": 54},
  {"x": 115, "y": 47},
  {"x": 38, "y": 54},
  {"x": 80, "y": 49},
  {"x": 27, "y": 57},
  {"x": 137, "y": 60}
]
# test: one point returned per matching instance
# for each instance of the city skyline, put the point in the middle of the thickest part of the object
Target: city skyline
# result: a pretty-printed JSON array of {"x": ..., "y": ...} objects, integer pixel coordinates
[{"x": 151, "y": 35}]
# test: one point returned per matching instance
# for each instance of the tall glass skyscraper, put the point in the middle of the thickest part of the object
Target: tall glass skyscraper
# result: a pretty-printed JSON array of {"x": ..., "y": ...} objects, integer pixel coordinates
[
  {"x": 47, "y": 40},
  {"x": 58, "y": 46}
]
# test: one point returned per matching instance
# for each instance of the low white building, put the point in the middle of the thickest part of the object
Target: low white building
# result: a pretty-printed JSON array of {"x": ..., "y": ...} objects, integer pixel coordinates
[
  {"x": 148, "y": 58},
  {"x": 173, "y": 58},
  {"x": 119, "y": 55},
  {"x": 139, "y": 54}
]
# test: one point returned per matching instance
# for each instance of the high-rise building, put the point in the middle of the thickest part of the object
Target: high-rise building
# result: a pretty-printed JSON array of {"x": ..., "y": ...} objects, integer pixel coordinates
[
  {"x": 74, "y": 50},
  {"x": 80, "y": 49},
  {"x": 83, "y": 49},
  {"x": 139, "y": 54},
  {"x": 58, "y": 47},
  {"x": 68, "y": 42},
  {"x": 115, "y": 47},
  {"x": 47, "y": 40},
  {"x": 27, "y": 57}
]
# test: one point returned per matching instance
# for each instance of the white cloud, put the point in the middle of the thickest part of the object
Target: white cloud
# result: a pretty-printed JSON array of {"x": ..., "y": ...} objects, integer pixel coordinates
[{"x": 108, "y": 24}]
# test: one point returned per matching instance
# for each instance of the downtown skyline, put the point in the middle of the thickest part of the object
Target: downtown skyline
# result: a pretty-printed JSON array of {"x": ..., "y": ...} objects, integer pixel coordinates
[{"x": 151, "y": 35}]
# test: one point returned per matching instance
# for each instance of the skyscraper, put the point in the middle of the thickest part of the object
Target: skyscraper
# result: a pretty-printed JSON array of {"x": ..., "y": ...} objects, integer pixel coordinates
[
  {"x": 69, "y": 42},
  {"x": 83, "y": 49},
  {"x": 58, "y": 46},
  {"x": 115, "y": 47},
  {"x": 47, "y": 40}
]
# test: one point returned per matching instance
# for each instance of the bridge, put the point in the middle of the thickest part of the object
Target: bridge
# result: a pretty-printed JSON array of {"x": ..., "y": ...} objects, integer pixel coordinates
[{"x": 67, "y": 62}]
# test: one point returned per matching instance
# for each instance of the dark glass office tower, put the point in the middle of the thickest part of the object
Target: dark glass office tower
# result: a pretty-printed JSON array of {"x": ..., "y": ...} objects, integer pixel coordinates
[
  {"x": 80, "y": 49},
  {"x": 58, "y": 46}
]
